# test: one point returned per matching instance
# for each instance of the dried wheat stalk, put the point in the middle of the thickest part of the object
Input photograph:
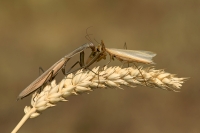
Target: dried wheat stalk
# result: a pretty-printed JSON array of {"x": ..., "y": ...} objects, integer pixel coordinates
[{"x": 86, "y": 81}]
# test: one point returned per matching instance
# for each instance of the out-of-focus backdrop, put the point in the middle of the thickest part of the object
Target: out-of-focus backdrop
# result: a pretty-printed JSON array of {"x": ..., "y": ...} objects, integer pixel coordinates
[{"x": 38, "y": 33}]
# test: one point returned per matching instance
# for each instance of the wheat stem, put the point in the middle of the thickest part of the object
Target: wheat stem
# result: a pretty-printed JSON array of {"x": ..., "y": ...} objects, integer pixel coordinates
[{"x": 23, "y": 120}]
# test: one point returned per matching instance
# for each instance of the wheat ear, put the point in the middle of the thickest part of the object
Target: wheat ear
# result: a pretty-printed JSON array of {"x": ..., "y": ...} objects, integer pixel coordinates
[{"x": 86, "y": 81}]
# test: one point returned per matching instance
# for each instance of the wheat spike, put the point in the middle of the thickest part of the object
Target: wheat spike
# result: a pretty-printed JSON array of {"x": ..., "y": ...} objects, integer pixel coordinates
[{"x": 85, "y": 81}]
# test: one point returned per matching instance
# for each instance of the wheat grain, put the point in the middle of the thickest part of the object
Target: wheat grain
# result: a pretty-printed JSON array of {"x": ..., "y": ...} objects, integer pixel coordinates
[{"x": 112, "y": 77}]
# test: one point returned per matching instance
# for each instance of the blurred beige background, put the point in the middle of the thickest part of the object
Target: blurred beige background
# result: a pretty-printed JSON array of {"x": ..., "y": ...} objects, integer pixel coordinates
[{"x": 38, "y": 33}]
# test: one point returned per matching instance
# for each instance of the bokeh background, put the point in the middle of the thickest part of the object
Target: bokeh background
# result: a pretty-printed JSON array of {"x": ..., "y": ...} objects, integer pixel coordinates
[{"x": 38, "y": 33}]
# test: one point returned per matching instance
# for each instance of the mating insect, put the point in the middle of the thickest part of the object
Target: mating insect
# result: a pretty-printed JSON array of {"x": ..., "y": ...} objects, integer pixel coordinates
[{"x": 50, "y": 74}]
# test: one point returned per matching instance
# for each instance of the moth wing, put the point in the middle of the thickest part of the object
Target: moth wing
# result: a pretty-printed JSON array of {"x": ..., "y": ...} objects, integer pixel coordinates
[{"x": 135, "y": 55}]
